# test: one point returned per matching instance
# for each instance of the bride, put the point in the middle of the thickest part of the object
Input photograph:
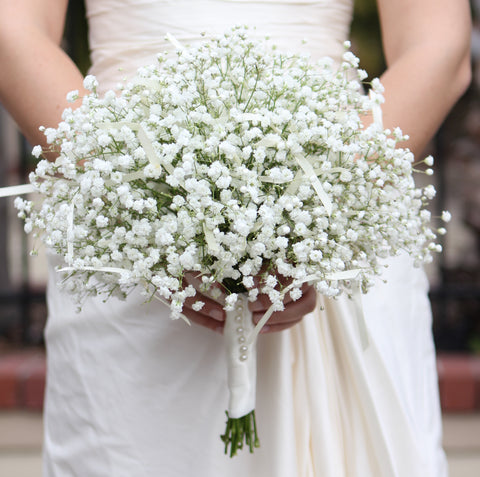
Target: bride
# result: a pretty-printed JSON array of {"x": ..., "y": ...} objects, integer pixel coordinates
[{"x": 131, "y": 393}]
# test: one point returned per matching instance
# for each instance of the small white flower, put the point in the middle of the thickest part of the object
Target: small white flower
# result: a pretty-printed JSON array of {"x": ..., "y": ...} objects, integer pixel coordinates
[
  {"x": 295, "y": 293},
  {"x": 198, "y": 305},
  {"x": 72, "y": 96},
  {"x": 101, "y": 221},
  {"x": 253, "y": 294},
  {"x": 248, "y": 282},
  {"x": 230, "y": 301},
  {"x": 429, "y": 161},
  {"x": 104, "y": 140},
  {"x": 429, "y": 192},
  {"x": 346, "y": 176},
  {"x": 223, "y": 182},
  {"x": 37, "y": 151},
  {"x": 377, "y": 86},
  {"x": 446, "y": 216},
  {"x": 225, "y": 162},
  {"x": 90, "y": 83}
]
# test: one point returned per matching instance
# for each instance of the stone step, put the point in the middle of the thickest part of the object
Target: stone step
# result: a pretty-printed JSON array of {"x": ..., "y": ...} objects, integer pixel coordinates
[{"x": 21, "y": 441}]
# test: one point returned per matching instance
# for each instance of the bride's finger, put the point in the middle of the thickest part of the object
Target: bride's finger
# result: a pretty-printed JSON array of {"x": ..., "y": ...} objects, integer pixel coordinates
[
  {"x": 204, "y": 320},
  {"x": 215, "y": 292},
  {"x": 262, "y": 303},
  {"x": 211, "y": 315},
  {"x": 293, "y": 312},
  {"x": 280, "y": 327}
]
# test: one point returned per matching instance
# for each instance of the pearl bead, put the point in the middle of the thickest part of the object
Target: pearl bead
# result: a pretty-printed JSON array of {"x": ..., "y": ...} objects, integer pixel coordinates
[
  {"x": 239, "y": 329},
  {"x": 238, "y": 318},
  {"x": 243, "y": 357},
  {"x": 243, "y": 349},
  {"x": 241, "y": 339}
]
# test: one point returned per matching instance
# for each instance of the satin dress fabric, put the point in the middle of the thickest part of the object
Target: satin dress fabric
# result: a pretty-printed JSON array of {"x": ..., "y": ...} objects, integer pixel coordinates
[{"x": 131, "y": 393}]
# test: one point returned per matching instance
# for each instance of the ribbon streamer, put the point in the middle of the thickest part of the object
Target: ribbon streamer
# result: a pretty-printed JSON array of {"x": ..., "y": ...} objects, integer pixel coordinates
[
  {"x": 92, "y": 269},
  {"x": 70, "y": 233},
  {"x": 294, "y": 185},
  {"x": 317, "y": 185},
  {"x": 17, "y": 190},
  {"x": 356, "y": 298},
  {"x": 210, "y": 239},
  {"x": 361, "y": 323},
  {"x": 145, "y": 142},
  {"x": 376, "y": 111},
  {"x": 269, "y": 312},
  {"x": 273, "y": 181},
  {"x": 169, "y": 37},
  {"x": 131, "y": 176}
]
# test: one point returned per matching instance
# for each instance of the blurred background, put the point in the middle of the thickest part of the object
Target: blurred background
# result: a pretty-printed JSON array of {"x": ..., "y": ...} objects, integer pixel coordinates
[{"x": 454, "y": 277}]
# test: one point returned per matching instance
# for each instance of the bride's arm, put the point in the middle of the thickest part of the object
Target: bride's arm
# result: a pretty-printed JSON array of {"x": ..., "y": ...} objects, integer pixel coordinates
[
  {"x": 427, "y": 49},
  {"x": 35, "y": 74}
]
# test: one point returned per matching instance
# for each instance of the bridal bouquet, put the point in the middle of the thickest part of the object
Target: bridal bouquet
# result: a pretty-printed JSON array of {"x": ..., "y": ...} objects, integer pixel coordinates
[{"x": 229, "y": 160}]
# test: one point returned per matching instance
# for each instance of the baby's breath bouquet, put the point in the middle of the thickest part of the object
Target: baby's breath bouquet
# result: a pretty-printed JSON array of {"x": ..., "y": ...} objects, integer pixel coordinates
[{"x": 229, "y": 160}]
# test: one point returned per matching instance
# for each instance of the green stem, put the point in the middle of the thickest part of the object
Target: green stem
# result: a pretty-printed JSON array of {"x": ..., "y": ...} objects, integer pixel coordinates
[{"x": 239, "y": 430}]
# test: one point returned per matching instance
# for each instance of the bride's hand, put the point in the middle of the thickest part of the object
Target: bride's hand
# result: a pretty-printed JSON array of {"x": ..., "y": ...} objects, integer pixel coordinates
[
  {"x": 292, "y": 314},
  {"x": 212, "y": 315}
]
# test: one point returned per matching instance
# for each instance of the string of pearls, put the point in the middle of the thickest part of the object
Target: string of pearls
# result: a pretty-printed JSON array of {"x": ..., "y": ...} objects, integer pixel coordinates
[{"x": 243, "y": 349}]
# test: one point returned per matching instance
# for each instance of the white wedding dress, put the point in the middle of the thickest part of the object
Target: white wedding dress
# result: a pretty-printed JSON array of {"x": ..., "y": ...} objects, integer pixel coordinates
[{"x": 131, "y": 393}]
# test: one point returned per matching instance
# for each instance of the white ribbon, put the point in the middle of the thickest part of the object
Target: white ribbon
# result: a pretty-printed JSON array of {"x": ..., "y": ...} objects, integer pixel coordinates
[
  {"x": 241, "y": 359},
  {"x": 241, "y": 334},
  {"x": 17, "y": 190},
  {"x": 144, "y": 141},
  {"x": 295, "y": 184},
  {"x": 362, "y": 325},
  {"x": 317, "y": 185},
  {"x": 356, "y": 298},
  {"x": 70, "y": 234},
  {"x": 131, "y": 176},
  {"x": 297, "y": 180},
  {"x": 270, "y": 180},
  {"x": 376, "y": 111},
  {"x": 169, "y": 37},
  {"x": 212, "y": 245},
  {"x": 333, "y": 169},
  {"x": 92, "y": 269}
]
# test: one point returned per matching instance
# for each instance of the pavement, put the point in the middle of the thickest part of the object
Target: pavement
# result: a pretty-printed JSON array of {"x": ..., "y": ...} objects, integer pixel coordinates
[{"x": 21, "y": 442}]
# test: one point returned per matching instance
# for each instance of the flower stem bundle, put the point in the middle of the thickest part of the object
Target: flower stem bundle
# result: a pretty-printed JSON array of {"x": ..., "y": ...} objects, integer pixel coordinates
[{"x": 239, "y": 431}]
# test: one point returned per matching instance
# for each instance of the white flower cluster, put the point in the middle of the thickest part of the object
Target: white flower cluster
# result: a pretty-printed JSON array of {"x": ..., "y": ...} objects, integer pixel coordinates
[{"x": 229, "y": 159}]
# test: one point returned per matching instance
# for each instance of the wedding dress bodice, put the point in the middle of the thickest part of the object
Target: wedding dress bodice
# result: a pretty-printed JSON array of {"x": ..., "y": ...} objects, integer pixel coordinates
[{"x": 126, "y": 34}]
